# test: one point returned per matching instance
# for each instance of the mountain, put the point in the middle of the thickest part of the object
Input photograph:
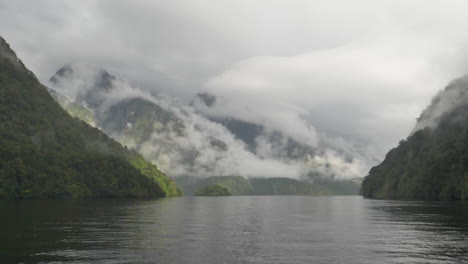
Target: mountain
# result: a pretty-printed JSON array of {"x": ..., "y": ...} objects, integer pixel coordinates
[
  {"x": 92, "y": 97},
  {"x": 183, "y": 140},
  {"x": 432, "y": 163},
  {"x": 152, "y": 126},
  {"x": 256, "y": 135},
  {"x": 238, "y": 185},
  {"x": 73, "y": 108},
  {"x": 46, "y": 153}
]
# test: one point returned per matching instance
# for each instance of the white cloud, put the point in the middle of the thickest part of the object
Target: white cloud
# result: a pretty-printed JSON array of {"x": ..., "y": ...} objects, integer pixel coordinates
[
  {"x": 350, "y": 75},
  {"x": 376, "y": 87}
]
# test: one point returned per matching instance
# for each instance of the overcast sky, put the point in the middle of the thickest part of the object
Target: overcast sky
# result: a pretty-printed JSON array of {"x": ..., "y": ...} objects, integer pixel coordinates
[{"x": 358, "y": 70}]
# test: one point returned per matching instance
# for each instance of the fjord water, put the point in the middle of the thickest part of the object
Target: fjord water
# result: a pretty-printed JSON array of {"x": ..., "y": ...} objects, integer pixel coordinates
[{"x": 242, "y": 229}]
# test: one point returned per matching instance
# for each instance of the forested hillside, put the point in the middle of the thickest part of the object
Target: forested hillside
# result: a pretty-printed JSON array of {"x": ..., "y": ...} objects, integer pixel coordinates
[
  {"x": 45, "y": 153},
  {"x": 432, "y": 163}
]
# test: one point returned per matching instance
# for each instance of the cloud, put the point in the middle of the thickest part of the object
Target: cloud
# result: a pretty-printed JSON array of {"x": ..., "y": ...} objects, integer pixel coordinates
[
  {"x": 446, "y": 101},
  {"x": 187, "y": 144},
  {"x": 348, "y": 78},
  {"x": 369, "y": 91}
]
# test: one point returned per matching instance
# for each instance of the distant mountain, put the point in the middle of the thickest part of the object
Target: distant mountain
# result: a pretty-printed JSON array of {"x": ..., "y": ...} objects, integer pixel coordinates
[
  {"x": 284, "y": 147},
  {"x": 212, "y": 190},
  {"x": 432, "y": 163},
  {"x": 183, "y": 140},
  {"x": 150, "y": 126},
  {"x": 45, "y": 153},
  {"x": 271, "y": 186},
  {"x": 236, "y": 185},
  {"x": 91, "y": 97}
]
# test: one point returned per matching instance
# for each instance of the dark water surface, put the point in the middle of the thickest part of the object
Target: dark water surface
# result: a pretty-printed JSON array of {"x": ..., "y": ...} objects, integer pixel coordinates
[{"x": 281, "y": 229}]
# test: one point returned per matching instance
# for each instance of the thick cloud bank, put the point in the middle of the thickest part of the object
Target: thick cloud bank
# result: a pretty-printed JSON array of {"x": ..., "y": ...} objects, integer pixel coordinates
[
  {"x": 346, "y": 78},
  {"x": 182, "y": 141}
]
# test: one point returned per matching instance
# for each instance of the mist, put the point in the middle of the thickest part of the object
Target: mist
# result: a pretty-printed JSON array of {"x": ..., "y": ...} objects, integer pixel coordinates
[
  {"x": 192, "y": 144},
  {"x": 348, "y": 80}
]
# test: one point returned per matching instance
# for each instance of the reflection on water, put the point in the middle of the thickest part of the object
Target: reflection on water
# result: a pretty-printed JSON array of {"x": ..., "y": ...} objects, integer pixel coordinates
[{"x": 281, "y": 229}]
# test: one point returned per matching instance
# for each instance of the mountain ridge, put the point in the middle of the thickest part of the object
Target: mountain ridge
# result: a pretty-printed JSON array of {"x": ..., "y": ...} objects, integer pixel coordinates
[
  {"x": 45, "y": 153},
  {"x": 184, "y": 141},
  {"x": 432, "y": 163}
]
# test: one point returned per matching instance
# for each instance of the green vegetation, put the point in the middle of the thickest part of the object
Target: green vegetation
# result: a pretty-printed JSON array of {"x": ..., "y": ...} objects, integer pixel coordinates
[
  {"x": 80, "y": 112},
  {"x": 152, "y": 171},
  {"x": 431, "y": 164},
  {"x": 286, "y": 186},
  {"x": 45, "y": 153},
  {"x": 238, "y": 185},
  {"x": 73, "y": 108},
  {"x": 213, "y": 190}
]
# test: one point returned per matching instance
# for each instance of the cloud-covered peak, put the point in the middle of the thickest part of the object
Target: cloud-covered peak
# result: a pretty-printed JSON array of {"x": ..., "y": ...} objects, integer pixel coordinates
[
  {"x": 454, "y": 95},
  {"x": 83, "y": 83},
  {"x": 186, "y": 140},
  {"x": 102, "y": 79},
  {"x": 206, "y": 99},
  {"x": 343, "y": 78}
]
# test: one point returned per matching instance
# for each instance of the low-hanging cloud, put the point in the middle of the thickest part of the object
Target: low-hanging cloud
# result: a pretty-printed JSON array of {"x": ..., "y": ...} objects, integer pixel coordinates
[
  {"x": 360, "y": 92},
  {"x": 348, "y": 79},
  {"x": 191, "y": 144},
  {"x": 454, "y": 95}
]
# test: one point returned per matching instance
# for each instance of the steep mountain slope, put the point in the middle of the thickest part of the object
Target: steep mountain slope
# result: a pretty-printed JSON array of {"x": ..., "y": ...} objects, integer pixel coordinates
[
  {"x": 73, "y": 108},
  {"x": 45, "y": 153},
  {"x": 144, "y": 124},
  {"x": 256, "y": 136},
  {"x": 184, "y": 141},
  {"x": 432, "y": 163}
]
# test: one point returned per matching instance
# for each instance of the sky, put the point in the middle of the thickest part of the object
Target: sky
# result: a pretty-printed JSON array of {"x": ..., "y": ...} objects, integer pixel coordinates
[{"x": 349, "y": 73}]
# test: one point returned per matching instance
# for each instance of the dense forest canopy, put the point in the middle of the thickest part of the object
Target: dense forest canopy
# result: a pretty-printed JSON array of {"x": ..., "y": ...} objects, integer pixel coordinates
[
  {"x": 45, "y": 153},
  {"x": 432, "y": 163}
]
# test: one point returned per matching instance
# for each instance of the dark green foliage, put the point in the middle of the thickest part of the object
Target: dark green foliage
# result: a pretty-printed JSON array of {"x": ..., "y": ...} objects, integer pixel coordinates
[
  {"x": 286, "y": 186},
  {"x": 432, "y": 164},
  {"x": 213, "y": 190},
  {"x": 238, "y": 185},
  {"x": 150, "y": 170},
  {"x": 45, "y": 153}
]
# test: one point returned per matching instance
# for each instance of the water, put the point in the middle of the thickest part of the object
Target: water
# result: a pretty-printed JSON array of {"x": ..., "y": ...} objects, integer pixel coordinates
[{"x": 282, "y": 229}]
